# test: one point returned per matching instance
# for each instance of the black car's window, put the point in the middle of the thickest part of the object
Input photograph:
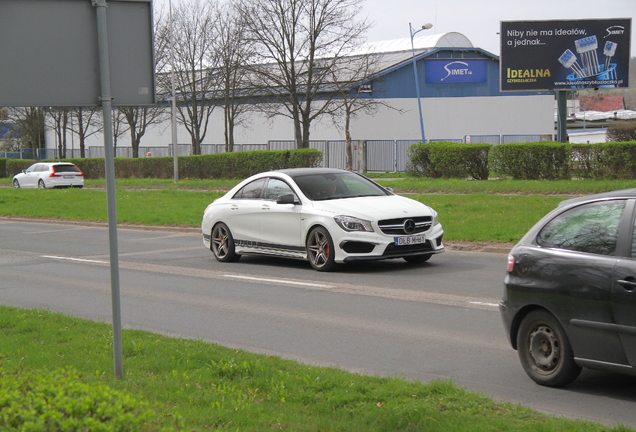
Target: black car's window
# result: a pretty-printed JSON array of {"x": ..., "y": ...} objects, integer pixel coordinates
[
  {"x": 252, "y": 190},
  {"x": 276, "y": 188},
  {"x": 337, "y": 185},
  {"x": 588, "y": 228}
]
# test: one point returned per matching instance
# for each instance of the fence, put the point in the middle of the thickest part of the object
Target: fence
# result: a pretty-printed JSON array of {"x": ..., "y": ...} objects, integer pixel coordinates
[{"x": 370, "y": 155}]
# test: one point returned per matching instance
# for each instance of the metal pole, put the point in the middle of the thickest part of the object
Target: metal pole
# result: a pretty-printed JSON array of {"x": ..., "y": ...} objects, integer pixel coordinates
[
  {"x": 562, "y": 114},
  {"x": 109, "y": 160},
  {"x": 175, "y": 146},
  {"x": 417, "y": 80}
]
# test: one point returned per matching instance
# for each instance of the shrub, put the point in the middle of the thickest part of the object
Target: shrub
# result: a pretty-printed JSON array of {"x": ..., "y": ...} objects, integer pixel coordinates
[
  {"x": 212, "y": 166},
  {"x": 622, "y": 132},
  {"x": 59, "y": 401},
  {"x": 449, "y": 160},
  {"x": 3, "y": 167},
  {"x": 531, "y": 161}
]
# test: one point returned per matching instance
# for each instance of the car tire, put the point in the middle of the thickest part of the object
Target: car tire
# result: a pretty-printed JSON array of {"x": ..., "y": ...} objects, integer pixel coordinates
[
  {"x": 16, "y": 183},
  {"x": 41, "y": 184},
  {"x": 222, "y": 244},
  {"x": 320, "y": 251},
  {"x": 544, "y": 350},
  {"x": 416, "y": 259}
]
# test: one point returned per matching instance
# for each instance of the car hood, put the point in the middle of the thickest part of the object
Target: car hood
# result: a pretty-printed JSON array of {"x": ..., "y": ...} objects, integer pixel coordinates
[{"x": 374, "y": 208}]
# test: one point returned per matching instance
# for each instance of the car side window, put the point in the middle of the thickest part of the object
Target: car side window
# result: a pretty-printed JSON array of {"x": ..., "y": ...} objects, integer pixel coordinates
[
  {"x": 591, "y": 228},
  {"x": 252, "y": 190},
  {"x": 276, "y": 188},
  {"x": 31, "y": 168}
]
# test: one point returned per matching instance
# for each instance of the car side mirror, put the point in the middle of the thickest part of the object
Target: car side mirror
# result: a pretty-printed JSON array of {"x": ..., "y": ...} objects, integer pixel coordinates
[
  {"x": 390, "y": 189},
  {"x": 287, "y": 199}
]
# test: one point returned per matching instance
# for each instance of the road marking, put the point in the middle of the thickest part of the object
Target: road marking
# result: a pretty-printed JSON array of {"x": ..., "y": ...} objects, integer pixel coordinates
[
  {"x": 281, "y": 281},
  {"x": 484, "y": 304},
  {"x": 383, "y": 292},
  {"x": 74, "y": 259}
]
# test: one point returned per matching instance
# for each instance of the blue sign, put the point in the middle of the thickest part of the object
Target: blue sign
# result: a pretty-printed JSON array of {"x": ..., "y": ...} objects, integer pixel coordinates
[{"x": 451, "y": 71}]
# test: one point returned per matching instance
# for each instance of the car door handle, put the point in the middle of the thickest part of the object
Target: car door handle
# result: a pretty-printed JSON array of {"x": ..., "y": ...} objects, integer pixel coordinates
[
  {"x": 265, "y": 207},
  {"x": 234, "y": 207},
  {"x": 629, "y": 284}
]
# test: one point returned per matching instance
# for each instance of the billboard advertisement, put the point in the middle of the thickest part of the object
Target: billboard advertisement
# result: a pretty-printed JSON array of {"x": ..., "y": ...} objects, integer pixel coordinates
[
  {"x": 450, "y": 71},
  {"x": 565, "y": 55}
]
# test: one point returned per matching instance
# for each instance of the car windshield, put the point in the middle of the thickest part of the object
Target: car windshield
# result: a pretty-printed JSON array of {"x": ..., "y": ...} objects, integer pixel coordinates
[{"x": 326, "y": 186}]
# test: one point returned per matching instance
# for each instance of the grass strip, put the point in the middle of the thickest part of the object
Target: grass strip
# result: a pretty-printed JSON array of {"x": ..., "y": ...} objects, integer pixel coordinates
[
  {"x": 198, "y": 386},
  {"x": 471, "y": 217}
]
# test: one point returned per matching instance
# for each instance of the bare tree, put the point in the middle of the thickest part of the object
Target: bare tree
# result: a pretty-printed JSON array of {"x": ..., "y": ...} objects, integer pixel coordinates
[
  {"x": 353, "y": 81},
  {"x": 138, "y": 120},
  {"x": 29, "y": 123},
  {"x": 195, "y": 28},
  {"x": 298, "y": 43},
  {"x": 233, "y": 54},
  {"x": 59, "y": 123},
  {"x": 84, "y": 123},
  {"x": 119, "y": 127}
]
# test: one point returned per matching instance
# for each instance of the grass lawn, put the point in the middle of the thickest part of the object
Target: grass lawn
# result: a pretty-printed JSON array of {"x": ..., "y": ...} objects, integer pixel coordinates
[
  {"x": 494, "y": 210},
  {"x": 199, "y": 386}
]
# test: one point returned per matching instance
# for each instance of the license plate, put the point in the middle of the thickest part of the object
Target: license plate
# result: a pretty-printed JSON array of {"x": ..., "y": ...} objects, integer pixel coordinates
[
  {"x": 409, "y": 240},
  {"x": 69, "y": 177}
]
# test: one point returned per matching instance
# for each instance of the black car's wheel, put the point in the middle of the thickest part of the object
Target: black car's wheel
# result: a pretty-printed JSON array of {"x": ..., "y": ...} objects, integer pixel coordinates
[
  {"x": 16, "y": 183},
  {"x": 320, "y": 250},
  {"x": 544, "y": 350},
  {"x": 41, "y": 184},
  {"x": 415, "y": 259},
  {"x": 222, "y": 244}
]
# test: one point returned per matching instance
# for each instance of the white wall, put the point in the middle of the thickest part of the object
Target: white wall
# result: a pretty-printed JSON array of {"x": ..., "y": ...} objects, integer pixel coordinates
[{"x": 444, "y": 118}]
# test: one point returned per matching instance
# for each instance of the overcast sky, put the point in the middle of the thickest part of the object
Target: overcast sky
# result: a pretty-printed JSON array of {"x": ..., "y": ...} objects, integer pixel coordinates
[{"x": 480, "y": 21}]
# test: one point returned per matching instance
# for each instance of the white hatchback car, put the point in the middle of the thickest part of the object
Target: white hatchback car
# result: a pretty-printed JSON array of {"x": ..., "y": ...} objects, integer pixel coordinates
[
  {"x": 325, "y": 216},
  {"x": 50, "y": 175}
]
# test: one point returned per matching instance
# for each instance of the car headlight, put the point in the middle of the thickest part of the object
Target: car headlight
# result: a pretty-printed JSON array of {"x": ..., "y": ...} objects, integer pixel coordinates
[
  {"x": 435, "y": 218},
  {"x": 349, "y": 223}
]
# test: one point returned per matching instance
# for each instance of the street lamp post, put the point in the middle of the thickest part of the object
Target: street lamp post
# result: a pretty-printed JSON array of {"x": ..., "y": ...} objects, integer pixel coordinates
[{"x": 417, "y": 81}]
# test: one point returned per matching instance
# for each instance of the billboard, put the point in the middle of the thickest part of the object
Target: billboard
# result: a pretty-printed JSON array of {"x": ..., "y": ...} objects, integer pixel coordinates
[
  {"x": 451, "y": 71},
  {"x": 562, "y": 55}
]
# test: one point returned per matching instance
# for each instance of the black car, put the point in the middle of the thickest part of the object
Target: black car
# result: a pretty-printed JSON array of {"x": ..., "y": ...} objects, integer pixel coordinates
[{"x": 570, "y": 290}]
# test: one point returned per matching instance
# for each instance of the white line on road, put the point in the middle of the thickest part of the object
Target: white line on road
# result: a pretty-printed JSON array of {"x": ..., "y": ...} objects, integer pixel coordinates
[
  {"x": 484, "y": 304},
  {"x": 281, "y": 281},
  {"x": 74, "y": 259}
]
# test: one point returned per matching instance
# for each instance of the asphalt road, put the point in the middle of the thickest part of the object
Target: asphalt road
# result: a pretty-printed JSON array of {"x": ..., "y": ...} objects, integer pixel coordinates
[{"x": 437, "y": 320}]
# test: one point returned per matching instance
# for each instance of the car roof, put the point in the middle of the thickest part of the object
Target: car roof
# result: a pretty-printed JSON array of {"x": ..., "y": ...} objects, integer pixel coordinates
[
  {"x": 623, "y": 193},
  {"x": 297, "y": 172}
]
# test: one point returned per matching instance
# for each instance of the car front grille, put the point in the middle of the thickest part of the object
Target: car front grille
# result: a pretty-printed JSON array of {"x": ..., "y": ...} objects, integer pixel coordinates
[
  {"x": 402, "y": 226},
  {"x": 399, "y": 250}
]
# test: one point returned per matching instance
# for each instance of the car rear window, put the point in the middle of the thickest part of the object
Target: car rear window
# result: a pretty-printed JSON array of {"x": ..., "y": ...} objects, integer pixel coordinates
[
  {"x": 591, "y": 228},
  {"x": 66, "y": 168}
]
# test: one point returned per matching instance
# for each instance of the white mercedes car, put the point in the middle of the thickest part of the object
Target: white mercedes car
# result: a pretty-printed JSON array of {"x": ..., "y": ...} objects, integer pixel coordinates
[{"x": 325, "y": 216}]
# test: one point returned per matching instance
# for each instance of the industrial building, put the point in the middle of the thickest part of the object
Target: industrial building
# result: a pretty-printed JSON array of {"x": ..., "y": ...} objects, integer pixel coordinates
[{"x": 460, "y": 98}]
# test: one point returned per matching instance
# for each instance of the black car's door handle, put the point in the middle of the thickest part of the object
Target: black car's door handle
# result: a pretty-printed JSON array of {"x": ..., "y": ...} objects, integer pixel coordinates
[{"x": 628, "y": 284}]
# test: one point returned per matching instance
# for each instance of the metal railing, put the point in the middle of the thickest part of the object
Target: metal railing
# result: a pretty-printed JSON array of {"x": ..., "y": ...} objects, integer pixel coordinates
[{"x": 380, "y": 155}]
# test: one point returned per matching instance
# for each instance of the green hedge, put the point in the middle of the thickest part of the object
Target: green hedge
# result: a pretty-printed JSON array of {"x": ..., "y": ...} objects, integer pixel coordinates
[
  {"x": 213, "y": 166},
  {"x": 3, "y": 168},
  {"x": 614, "y": 160},
  {"x": 531, "y": 161},
  {"x": 449, "y": 160},
  {"x": 59, "y": 401}
]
